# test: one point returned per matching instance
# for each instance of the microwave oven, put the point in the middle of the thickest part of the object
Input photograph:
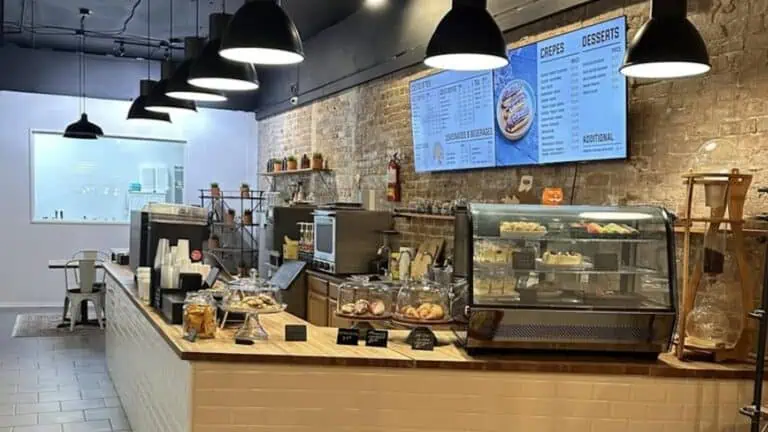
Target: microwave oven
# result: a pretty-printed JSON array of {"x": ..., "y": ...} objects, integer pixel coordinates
[{"x": 346, "y": 241}]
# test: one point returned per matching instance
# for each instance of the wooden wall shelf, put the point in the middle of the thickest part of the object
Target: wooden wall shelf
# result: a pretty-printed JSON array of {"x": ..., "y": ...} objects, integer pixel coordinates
[
  {"x": 425, "y": 216},
  {"x": 295, "y": 172}
]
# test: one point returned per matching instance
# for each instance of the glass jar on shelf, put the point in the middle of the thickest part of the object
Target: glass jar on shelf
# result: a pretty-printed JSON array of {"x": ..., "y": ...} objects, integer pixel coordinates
[
  {"x": 423, "y": 303},
  {"x": 362, "y": 300},
  {"x": 199, "y": 317},
  {"x": 717, "y": 318}
]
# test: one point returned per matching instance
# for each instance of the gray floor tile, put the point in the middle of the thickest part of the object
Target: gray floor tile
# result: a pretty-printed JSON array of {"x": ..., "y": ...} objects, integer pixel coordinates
[
  {"x": 18, "y": 398},
  {"x": 58, "y": 371},
  {"x": 61, "y": 417},
  {"x": 83, "y": 404},
  {"x": 41, "y": 407},
  {"x": 18, "y": 420},
  {"x": 38, "y": 428},
  {"x": 98, "y": 393},
  {"x": 94, "y": 426},
  {"x": 120, "y": 423},
  {"x": 59, "y": 396},
  {"x": 36, "y": 388},
  {"x": 112, "y": 402},
  {"x": 103, "y": 413}
]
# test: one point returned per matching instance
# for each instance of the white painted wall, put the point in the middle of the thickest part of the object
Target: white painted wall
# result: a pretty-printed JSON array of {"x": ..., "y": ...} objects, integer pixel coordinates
[{"x": 222, "y": 147}]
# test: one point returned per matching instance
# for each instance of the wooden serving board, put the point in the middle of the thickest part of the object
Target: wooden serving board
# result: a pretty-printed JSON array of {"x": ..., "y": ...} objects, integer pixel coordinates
[{"x": 428, "y": 252}]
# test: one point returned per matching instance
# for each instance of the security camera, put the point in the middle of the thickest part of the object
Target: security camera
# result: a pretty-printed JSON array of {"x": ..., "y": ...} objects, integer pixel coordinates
[{"x": 295, "y": 100}]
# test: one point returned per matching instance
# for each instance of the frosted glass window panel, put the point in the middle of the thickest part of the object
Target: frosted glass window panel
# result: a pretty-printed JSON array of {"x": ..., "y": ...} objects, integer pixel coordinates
[{"x": 101, "y": 181}]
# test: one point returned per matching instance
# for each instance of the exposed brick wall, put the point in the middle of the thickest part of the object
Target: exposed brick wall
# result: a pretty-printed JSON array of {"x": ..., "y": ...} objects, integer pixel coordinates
[{"x": 358, "y": 129}]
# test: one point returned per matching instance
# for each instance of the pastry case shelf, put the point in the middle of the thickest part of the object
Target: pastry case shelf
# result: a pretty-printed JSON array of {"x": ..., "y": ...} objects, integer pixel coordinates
[{"x": 572, "y": 277}]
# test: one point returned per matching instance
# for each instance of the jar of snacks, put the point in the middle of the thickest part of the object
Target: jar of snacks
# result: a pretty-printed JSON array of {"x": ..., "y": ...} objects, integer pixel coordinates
[
  {"x": 361, "y": 300},
  {"x": 423, "y": 303},
  {"x": 199, "y": 317}
]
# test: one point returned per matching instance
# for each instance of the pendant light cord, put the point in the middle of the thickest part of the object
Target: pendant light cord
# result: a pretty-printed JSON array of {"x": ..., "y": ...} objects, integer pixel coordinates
[
  {"x": 197, "y": 18},
  {"x": 82, "y": 64},
  {"x": 149, "y": 38}
]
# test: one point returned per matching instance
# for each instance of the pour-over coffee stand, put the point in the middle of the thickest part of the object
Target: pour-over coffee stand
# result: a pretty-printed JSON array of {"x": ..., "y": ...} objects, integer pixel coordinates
[{"x": 725, "y": 194}]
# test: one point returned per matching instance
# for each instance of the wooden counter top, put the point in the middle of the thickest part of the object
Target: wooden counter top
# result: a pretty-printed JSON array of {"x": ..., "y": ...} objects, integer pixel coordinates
[{"x": 321, "y": 349}]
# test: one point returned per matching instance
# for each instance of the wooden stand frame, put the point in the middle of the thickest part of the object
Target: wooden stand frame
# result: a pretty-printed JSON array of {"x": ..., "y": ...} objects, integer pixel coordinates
[{"x": 736, "y": 187}]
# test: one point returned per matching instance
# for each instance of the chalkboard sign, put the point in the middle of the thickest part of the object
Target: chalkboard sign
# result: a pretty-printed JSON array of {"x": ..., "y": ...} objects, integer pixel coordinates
[
  {"x": 287, "y": 274},
  {"x": 422, "y": 339},
  {"x": 376, "y": 338},
  {"x": 347, "y": 336},
  {"x": 295, "y": 333}
]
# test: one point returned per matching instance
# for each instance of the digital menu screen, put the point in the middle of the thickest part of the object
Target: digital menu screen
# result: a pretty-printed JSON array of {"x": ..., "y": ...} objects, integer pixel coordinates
[{"x": 559, "y": 100}]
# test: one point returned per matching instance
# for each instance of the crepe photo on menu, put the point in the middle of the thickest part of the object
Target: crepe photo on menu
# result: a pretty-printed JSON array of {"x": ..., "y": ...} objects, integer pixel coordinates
[{"x": 515, "y": 109}]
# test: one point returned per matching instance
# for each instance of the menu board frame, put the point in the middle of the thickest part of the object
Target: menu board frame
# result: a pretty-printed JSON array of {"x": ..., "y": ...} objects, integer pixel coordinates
[{"x": 499, "y": 162}]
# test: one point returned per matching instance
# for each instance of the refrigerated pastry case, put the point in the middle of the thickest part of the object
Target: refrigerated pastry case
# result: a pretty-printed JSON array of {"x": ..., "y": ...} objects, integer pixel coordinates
[{"x": 578, "y": 278}]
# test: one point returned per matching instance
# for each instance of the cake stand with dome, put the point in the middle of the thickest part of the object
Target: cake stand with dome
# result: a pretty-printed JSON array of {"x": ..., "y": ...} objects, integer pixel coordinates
[
  {"x": 252, "y": 298},
  {"x": 363, "y": 303},
  {"x": 421, "y": 305}
]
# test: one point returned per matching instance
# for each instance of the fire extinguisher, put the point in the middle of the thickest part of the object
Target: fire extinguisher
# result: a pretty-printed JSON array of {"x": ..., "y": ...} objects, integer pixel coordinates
[{"x": 393, "y": 179}]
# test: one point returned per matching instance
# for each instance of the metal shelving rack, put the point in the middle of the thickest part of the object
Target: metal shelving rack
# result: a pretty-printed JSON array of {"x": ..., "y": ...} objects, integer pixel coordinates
[{"x": 238, "y": 241}]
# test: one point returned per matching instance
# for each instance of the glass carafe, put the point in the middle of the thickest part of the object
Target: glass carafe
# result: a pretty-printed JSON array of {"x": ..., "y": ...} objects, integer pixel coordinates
[{"x": 716, "y": 320}]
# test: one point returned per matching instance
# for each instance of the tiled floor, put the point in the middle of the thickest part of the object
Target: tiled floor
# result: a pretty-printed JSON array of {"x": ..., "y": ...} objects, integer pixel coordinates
[{"x": 55, "y": 384}]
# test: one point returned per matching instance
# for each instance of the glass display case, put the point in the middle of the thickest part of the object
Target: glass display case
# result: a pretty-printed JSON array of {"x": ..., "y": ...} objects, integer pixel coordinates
[
  {"x": 360, "y": 299},
  {"x": 571, "y": 277},
  {"x": 423, "y": 303}
]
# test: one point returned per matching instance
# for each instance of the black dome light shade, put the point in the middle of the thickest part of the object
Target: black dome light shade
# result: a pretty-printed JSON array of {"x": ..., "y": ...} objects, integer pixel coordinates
[
  {"x": 262, "y": 33},
  {"x": 179, "y": 88},
  {"x": 667, "y": 46},
  {"x": 83, "y": 129},
  {"x": 158, "y": 101},
  {"x": 213, "y": 71},
  {"x": 138, "y": 109},
  {"x": 467, "y": 38}
]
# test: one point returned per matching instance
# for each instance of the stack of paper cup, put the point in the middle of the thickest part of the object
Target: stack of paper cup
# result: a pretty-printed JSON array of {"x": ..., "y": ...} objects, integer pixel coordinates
[
  {"x": 182, "y": 252},
  {"x": 144, "y": 279}
]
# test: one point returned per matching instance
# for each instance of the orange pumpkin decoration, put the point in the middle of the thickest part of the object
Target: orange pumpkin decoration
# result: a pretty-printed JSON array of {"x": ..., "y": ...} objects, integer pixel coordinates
[{"x": 552, "y": 196}]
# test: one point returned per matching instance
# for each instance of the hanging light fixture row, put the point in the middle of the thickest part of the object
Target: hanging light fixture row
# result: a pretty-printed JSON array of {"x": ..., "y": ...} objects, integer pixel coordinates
[
  {"x": 467, "y": 38},
  {"x": 158, "y": 101}
]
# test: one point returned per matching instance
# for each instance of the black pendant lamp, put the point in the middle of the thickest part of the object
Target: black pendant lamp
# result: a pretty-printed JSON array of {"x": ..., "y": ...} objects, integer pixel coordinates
[
  {"x": 667, "y": 46},
  {"x": 262, "y": 33},
  {"x": 466, "y": 39},
  {"x": 158, "y": 101},
  {"x": 178, "y": 87},
  {"x": 138, "y": 110},
  {"x": 83, "y": 128},
  {"x": 213, "y": 71}
]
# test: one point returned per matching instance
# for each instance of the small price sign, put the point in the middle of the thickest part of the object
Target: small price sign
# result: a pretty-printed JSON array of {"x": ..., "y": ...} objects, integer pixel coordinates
[
  {"x": 347, "y": 336},
  {"x": 295, "y": 333},
  {"x": 422, "y": 339},
  {"x": 376, "y": 338}
]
